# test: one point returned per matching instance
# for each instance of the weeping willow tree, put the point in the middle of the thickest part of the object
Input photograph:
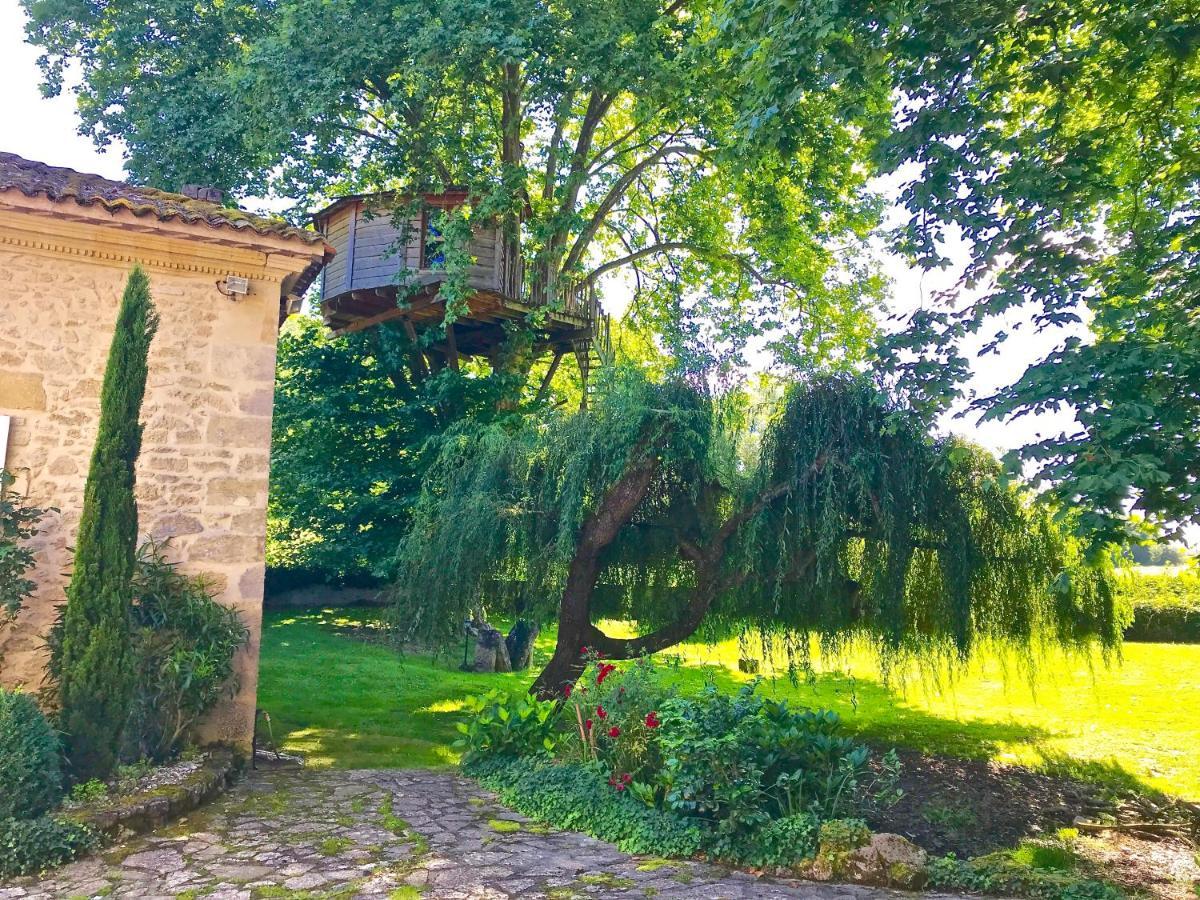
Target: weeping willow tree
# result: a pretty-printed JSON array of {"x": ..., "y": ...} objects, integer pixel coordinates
[{"x": 841, "y": 517}]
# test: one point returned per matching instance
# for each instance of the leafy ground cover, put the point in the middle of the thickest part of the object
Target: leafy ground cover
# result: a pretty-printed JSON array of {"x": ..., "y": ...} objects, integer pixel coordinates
[{"x": 1134, "y": 724}]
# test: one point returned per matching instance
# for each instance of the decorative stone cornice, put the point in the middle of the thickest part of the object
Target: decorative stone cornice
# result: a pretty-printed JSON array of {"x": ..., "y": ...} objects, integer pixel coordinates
[
  {"x": 177, "y": 249},
  {"x": 38, "y": 225}
]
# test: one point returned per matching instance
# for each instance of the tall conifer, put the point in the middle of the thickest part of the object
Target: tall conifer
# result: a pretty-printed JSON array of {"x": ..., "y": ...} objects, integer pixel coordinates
[{"x": 95, "y": 683}]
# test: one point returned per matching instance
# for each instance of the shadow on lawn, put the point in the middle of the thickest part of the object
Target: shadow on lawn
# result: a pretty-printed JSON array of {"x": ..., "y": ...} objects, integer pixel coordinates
[
  {"x": 379, "y": 706},
  {"x": 879, "y": 714}
]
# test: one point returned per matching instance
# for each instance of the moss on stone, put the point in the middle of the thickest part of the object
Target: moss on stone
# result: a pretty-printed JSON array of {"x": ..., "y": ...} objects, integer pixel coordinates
[
  {"x": 654, "y": 863},
  {"x": 332, "y": 846},
  {"x": 504, "y": 826},
  {"x": 606, "y": 879}
]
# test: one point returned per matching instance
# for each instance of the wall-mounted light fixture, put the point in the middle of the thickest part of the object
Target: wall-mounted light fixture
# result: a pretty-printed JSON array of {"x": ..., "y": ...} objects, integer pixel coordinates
[{"x": 234, "y": 286}]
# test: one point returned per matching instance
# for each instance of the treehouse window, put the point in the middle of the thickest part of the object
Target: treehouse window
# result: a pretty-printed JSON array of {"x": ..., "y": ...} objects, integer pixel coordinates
[{"x": 433, "y": 245}]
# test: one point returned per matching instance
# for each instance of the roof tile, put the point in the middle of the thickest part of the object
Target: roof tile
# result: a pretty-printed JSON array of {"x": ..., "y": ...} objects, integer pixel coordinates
[{"x": 60, "y": 184}]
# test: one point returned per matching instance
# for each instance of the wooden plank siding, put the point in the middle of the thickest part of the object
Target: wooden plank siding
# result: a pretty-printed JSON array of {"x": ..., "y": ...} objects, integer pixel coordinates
[
  {"x": 360, "y": 286},
  {"x": 372, "y": 250}
]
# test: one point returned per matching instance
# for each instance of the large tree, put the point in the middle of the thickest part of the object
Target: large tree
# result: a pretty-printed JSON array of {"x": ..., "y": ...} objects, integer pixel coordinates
[
  {"x": 603, "y": 136},
  {"x": 1061, "y": 139},
  {"x": 717, "y": 151},
  {"x": 843, "y": 518}
]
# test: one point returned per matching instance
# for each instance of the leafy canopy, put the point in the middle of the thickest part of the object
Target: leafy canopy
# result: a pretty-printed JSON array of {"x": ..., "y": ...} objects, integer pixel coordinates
[
  {"x": 716, "y": 153},
  {"x": 1061, "y": 139},
  {"x": 606, "y": 138}
]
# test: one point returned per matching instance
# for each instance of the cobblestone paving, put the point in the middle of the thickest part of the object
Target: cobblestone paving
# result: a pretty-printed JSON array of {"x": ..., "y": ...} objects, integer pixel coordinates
[{"x": 386, "y": 834}]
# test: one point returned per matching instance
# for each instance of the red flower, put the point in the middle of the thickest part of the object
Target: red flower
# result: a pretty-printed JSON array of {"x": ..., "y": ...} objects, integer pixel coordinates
[
  {"x": 652, "y": 720},
  {"x": 619, "y": 782},
  {"x": 614, "y": 732},
  {"x": 588, "y": 724},
  {"x": 600, "y": 711},
  {"x": 606, "y": 669},
  {"x": 567, "y": 692}
]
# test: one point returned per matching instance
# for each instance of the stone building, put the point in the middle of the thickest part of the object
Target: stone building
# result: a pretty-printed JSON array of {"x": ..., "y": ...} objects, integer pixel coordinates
[{"x": 222, "y": 280}]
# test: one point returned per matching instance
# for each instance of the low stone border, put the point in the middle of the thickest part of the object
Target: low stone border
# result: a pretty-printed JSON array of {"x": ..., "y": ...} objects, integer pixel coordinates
[{"x": 139, "y": 813}]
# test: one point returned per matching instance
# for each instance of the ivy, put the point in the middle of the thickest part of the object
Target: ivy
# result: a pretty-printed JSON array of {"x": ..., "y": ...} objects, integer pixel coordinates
[
  {"x": 576, "y": 797},
  {"x": 29, "y": 846}
]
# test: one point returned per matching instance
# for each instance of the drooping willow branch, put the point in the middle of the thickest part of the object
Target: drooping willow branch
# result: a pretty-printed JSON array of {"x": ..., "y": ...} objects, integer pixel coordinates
[{"x": 851, "y": 522}]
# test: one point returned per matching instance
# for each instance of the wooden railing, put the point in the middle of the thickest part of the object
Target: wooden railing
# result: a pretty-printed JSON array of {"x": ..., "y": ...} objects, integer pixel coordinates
[{"x": 579, "y": 299}]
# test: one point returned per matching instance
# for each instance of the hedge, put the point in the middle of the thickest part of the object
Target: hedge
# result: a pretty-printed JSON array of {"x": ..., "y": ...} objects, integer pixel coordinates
[{"x": 1166, "y": 608}]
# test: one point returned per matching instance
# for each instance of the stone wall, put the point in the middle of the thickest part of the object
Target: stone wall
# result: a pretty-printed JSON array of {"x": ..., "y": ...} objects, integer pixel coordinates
[{"x": 202, "y": 475}]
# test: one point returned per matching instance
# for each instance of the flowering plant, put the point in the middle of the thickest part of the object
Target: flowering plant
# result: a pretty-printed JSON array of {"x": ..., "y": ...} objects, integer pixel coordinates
[{"x": 615, "y": 710}]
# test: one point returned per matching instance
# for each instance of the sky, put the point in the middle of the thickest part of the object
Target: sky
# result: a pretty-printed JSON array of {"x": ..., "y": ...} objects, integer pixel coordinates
[{"x": 46, "y": 130}]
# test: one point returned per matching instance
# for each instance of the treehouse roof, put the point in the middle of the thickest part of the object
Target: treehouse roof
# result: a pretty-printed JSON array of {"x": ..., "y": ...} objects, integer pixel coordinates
[{"x": 447, "y": 198}]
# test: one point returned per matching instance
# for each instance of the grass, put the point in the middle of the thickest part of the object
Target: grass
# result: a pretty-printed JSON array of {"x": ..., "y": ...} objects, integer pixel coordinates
[{"x": 350, "y": 704}]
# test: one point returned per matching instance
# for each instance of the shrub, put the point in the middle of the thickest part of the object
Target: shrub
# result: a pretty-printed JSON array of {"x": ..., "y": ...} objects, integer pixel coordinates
[
  {"x": 88, "y": 792},
  {"x": 30, "y": 779},
  {"x": 29, "y": 846},
  {"x": 745, "y": 779},
  {"x": 574, "y": 796},
  {"x": 740, "y": 761},
  {"x": 96, "y": 672},
  {"x": 503, "y": 724},
  {"x": 612, "y": 716},
  {"x": 183, "y": 645},
  {"x": 1166, "y": 608},
  {"x": 18, "y": 523}
]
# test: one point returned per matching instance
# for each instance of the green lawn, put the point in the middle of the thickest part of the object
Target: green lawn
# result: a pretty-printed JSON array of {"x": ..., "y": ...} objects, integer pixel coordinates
[{"x": 347, "y": 703}]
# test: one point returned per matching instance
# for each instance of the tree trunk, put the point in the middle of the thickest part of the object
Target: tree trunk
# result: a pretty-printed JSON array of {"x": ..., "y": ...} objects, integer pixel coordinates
[
  {"x": 575, "y": 629},
  {"x": 564, "y": 669},
  {"x": 520, "y": 643},
  {"x": 574, "y": 623}
]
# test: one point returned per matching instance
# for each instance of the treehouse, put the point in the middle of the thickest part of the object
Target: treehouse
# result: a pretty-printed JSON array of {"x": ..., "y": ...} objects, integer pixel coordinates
[{"x": 390, "y": 267}]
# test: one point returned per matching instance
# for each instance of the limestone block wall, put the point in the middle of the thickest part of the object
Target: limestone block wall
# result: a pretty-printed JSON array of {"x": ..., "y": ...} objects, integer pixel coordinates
[{"x": 203, "y": 472}]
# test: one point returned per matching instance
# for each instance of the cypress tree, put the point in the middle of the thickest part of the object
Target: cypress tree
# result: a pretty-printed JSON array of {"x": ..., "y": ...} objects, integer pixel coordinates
[{"x": 95, "y": 663}]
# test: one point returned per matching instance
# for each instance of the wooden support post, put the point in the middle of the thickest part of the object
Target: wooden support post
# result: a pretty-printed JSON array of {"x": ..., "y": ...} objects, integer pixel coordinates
[
  {"x": 581, "y": 357},
  {"x": 420, "y": 368},
  {"x": 541, "y": 394},
  {"x": 451, "y": 347}
]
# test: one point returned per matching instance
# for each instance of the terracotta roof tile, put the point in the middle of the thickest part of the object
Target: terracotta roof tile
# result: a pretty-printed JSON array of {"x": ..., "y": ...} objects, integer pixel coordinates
[{"x": 60, "y": 185}]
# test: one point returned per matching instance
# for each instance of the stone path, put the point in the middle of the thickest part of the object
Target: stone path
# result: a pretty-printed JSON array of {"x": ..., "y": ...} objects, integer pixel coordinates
[{"x": 385, "y": 834}]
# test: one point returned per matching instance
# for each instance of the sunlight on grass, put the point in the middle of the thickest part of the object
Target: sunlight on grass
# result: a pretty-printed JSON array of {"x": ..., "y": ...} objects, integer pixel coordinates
[
  {"x": 444, "y": 706},
  {"x": 349, "y": 703}
]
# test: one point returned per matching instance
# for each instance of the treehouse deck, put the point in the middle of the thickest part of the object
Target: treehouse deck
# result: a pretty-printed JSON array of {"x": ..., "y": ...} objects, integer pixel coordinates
[{"x": 388, "y": 268}]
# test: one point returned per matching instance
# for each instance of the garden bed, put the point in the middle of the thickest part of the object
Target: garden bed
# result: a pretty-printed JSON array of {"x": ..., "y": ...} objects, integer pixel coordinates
[
  {"x": 157, "y": 797},
  {"x": 746, "y": 781},
  {"x": 972, "y": 808}
]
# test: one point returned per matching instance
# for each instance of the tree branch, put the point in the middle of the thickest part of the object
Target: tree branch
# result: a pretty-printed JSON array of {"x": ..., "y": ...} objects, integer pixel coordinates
[
  {"x": 616, "y": 192},
  {"x": 664, "y": 247}
]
